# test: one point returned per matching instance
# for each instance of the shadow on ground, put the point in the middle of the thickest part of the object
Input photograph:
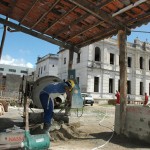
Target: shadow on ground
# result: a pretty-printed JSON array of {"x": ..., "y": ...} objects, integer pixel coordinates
[
  {"x": 121, "y": 140},
  {"x": 6, "y": 123}
]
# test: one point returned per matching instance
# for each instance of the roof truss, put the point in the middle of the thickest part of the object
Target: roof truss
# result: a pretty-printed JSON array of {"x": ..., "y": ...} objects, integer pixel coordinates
[{"x": 74, "y": 24}]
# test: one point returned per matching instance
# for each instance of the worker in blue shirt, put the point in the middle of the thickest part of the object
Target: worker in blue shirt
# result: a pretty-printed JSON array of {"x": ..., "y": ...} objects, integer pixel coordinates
[{"x": 47, "y": 96}]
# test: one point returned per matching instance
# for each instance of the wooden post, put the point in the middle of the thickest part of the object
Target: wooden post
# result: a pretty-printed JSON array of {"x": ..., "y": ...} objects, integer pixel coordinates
[
  {"x": 70, "y": 59},
  {"x": 3, "y": 38},
  {"x": 67, "y": 109},
  {"x": 122, "y": 37}
]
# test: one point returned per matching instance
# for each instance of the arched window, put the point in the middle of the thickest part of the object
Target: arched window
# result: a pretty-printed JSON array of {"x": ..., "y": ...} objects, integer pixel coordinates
[
  {"x": 141, "y": 62},
  {"x": 97, "y": 54}
]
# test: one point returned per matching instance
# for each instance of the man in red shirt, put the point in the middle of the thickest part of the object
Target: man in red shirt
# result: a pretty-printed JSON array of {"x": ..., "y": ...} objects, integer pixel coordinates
[
  {"x": 146, "y": 99},
  {"x": 118, "y": 97}
]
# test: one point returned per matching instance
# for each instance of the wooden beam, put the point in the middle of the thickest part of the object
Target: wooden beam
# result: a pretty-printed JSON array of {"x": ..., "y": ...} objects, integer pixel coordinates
[
  {"x": 11, "y": 8},
  {"x": 139, "y": 19},
  {"x": 98, "y": 38},
  {"x": 140, "y": 23},
  {"x": 39, "y": 35},
  {"x": 122, "y": 39},
  {"x": 102, "y": 35},
  {"x": 71, "y": 24},
  {"x": 104, "y": 4},
  {"x": 81, "y": 18},
  {"x": 28, "y": 11},
  {"x": 125, "y": 9},
  {"x": 3, "y": 38},
  {"x": 100, "y": 15},
  {"x": 100, "y": 5},
  {"x": 70, "y": 63},
  {"x": 60, "y": 19},
  {"x": 46, "y": 13},
  {"x": 85, "y": 30}
]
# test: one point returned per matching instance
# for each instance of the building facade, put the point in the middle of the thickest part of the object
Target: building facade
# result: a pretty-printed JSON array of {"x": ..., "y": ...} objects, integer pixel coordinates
[
  {"x": 15, "y": 70},
  {"x": 47, "y": 66},
  {"x": 97, "y": 68}
]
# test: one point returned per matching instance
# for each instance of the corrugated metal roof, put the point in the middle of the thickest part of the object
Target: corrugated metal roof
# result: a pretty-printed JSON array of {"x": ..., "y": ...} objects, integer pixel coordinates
[{"x": 74, "y": 23}]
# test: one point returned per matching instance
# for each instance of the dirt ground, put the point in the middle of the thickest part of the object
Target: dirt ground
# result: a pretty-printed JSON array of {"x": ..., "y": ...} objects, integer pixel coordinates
[{"x": 91, "y": 129}]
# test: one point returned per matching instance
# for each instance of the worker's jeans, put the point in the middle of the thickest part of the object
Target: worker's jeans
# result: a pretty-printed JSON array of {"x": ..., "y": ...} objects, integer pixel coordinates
[{"x": 47, "y": 106}]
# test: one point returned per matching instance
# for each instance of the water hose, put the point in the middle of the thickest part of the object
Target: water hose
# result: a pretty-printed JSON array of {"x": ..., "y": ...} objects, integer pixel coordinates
[{"x": 101, "y": 146}]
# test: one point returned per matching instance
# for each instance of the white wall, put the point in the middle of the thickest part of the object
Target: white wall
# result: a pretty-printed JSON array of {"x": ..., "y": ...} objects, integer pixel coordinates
[
  {"x": 18, "y": 70},
  {"x": 48, "y": 65},
  {"x": 87, "y": 69}
]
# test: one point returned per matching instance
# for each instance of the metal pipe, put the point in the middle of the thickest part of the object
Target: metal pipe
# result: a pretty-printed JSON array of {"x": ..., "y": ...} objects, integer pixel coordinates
[{"x": 128, "y": 7}]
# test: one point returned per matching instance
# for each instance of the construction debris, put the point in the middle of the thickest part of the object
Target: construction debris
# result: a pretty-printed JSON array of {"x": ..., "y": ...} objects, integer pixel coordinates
[
  {"x": 5, "y": 105},
  {"x": 1, "y": 109}
]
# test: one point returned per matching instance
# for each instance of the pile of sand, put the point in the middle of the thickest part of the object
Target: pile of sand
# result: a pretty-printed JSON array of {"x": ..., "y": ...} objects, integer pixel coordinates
[
  {"x": 61, "y": 131},
  {"x": 67, "y": 131}
]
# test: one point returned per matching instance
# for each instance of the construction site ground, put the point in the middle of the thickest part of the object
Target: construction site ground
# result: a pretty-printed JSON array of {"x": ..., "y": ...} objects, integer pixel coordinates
[{"x": 90, "y": 129}]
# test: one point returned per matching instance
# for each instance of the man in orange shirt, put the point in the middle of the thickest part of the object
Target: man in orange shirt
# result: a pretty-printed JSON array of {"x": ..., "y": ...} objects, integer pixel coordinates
[
  {"x": 146, "y": 99},
  {"x": 118, "y": 97}
]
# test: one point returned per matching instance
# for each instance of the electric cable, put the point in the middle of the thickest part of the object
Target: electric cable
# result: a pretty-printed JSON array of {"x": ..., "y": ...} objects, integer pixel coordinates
[{"x": 101, "y": 146}]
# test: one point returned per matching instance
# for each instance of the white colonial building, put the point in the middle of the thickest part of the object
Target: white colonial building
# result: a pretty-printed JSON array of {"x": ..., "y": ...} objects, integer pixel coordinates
[
  {"x": 97, "y": 68},
  {"x": 15, "y": 70},
  {"x": 47, "y": 66}
]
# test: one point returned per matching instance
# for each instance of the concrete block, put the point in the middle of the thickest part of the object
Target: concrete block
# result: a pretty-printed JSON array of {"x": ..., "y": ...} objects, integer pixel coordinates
[{"x": 137, "y": 122}]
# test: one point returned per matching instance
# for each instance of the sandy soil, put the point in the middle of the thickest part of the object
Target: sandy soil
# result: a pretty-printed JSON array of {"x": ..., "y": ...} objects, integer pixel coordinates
[{"x": 93, "y": 130}]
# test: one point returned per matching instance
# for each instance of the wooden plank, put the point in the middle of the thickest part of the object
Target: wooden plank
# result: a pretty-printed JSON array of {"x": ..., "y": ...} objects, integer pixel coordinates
[
  {"x": 3, "y": 38},
  {"x": 28, "y": 11},
  {"x": 69, "y": 26},
  {"x": 45, "y": 14},
  {"x": 106, "y": 33},
  {"x": 100, "y": 14},
  {"x": 55, "y": 22},
  {"x": 85, "y": 30},
  {"x": 70, "y": 59},
  {"x": 39, "y": 35}
]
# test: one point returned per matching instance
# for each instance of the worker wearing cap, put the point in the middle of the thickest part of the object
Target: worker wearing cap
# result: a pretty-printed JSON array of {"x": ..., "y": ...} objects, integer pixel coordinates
[{"x": 47, "y": 96}]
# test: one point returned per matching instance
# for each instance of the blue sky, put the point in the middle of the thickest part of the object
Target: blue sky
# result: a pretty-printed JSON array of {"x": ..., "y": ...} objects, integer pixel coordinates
[{"x": 23, "y": 49}]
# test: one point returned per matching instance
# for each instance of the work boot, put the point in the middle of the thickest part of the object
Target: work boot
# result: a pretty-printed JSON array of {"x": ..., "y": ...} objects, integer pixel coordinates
[{"x": 46, "y": 127}]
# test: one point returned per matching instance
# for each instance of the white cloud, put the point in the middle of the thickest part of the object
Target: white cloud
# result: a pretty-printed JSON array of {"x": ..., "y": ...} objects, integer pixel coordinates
[{"x": 8, "y": 60}]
